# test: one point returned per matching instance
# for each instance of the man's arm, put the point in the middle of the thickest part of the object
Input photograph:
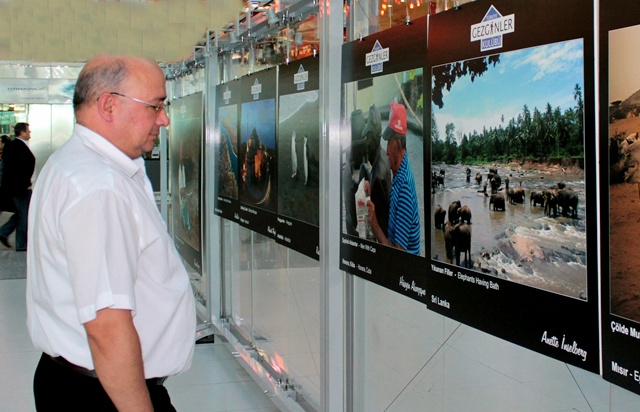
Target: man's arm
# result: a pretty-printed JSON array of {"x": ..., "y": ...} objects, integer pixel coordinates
[
  {"x": 117, "y": 357},
  {"x": 375, "y": 227}
]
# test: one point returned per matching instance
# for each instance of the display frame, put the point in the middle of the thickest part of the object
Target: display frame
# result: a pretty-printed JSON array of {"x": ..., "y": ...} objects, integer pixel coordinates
[{"x": 563, "y": 327}]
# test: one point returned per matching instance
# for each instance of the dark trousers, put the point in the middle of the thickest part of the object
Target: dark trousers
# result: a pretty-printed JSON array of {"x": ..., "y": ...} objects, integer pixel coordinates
[
  {"x": 18, "y": 221},
  {"x": 57, "y": 388}
]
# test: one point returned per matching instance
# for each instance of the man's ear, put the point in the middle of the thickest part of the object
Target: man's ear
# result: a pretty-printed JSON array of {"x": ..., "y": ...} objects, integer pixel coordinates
[{"x": 106, "y": 105}]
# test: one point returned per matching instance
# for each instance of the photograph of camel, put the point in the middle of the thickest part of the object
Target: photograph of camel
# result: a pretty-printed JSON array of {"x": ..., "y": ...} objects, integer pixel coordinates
[
  {"x": 624, "y": 172},
  {"x": 368, "y": 165},
  {"x": 507, "y": 157}
]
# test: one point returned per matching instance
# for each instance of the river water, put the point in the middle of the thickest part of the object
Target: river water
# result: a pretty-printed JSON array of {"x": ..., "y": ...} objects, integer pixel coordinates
[{"x": 553, "y": 257}]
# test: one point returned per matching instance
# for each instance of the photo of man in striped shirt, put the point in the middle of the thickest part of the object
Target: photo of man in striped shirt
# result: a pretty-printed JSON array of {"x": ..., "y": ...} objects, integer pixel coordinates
[{"x": 404, "y": 220}]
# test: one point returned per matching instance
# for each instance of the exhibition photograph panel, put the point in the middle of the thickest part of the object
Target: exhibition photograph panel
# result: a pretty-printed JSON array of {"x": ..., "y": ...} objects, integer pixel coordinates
[
  {"x": 227, "y": 172},
  {"x": 185, "y": 146},
  {"x": 298, "y": 157},
  {"x": 513, "y": 216},
  {"x": 620, "y": 125},
  {"x": 382, "y": 155},
  {"x": 257, "y": 162}
]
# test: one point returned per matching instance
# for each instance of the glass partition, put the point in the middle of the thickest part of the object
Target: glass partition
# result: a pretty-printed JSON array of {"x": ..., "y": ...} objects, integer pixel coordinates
[
  {"x": 408, "y": 358},
  {"x": 272, "y": 293},
  {"x": 273, "y": 301}
]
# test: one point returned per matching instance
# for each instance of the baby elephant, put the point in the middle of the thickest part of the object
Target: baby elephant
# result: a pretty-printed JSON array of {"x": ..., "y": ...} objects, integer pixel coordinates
[
  {"x": 497, "y": 201},
  {"x": 465, "y": 214}
]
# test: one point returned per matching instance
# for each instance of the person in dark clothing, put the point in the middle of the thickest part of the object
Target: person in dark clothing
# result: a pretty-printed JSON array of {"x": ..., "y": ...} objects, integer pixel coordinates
[
  {"x": 19, "y": 165},
  {"x": 379, "y": 176}
]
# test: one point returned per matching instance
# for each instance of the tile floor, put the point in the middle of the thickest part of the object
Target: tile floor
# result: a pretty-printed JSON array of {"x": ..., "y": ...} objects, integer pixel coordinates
[{"x": 215, "y": 382}]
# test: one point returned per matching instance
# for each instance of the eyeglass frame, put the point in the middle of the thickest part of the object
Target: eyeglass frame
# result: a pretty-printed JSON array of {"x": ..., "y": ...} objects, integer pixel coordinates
[{"x": 156, "y": 107}]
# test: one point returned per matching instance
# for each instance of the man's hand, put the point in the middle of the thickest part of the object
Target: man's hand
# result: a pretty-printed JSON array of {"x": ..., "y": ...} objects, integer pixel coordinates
[{"x": 373, "y": 220}]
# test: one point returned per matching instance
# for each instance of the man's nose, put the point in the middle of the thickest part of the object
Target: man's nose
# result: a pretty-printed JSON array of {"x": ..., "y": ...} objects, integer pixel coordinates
[{"x": 163, "y": 118}]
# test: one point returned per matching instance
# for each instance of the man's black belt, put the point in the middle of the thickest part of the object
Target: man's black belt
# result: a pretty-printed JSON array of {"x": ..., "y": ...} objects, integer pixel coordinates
[{"x": 92, "y": 373}]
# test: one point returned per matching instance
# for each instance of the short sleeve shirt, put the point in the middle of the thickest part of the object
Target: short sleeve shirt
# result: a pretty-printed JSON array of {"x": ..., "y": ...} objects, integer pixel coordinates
[
  {"x": 404, "y": 220},
  {"x": 97, "y": 240}
]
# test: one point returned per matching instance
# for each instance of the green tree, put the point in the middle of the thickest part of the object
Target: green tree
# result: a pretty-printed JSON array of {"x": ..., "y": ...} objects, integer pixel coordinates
[
  {"x": 437, "y": 146},
  {"x": 450, "y": 144}
]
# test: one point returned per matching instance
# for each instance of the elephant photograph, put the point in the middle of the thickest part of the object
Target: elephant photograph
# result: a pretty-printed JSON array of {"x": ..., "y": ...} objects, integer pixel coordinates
[{"x": 523, "y": 217}]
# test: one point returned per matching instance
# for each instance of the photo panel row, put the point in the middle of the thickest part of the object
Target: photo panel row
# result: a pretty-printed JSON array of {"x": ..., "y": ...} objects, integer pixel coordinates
[
  {"x": 498, "y": 129},
  {"x": 469, "y": 176},
  {"x": 267, "y": 154}
]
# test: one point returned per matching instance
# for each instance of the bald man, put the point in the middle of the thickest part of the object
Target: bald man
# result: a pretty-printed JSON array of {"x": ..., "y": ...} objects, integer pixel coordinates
[{"x": 109, "y": 301}]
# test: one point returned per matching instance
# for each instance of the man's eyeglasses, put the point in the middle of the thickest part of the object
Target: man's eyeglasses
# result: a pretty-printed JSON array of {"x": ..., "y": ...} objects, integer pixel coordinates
[{"x": 156, "y": 107}]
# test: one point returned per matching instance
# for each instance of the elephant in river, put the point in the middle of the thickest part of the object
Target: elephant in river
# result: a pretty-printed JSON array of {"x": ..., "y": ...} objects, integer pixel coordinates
[
  {"x": 448, "y": 240},
  {"x": 457, "y": 240},
  {"x": 453, "y": 211},
  {"x": 516, "y": 195},
  {"x": 462, "y": 243},
  {"x": 551, "y": 202},
  {"x": 464, "y": 213},
  {"x": 438, "y": 217},
  {"x": 568, "y": 201},
  {"x": 497, "y": 201},
  {"x": 536, "y": 197},
  {"x": 496, "y": 181}
]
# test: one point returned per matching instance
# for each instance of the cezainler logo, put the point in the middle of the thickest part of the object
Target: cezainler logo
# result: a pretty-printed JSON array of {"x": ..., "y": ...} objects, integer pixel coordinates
[
  {"x": 300, "y": 78},
  {"x": 377, "y": 56},
  {"x": 493, "y": 26},
  {"x": 256, "y": 89}
]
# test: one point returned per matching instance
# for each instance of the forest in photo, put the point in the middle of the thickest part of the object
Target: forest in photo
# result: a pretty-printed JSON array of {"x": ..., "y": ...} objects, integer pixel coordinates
[
  {"x": 511, "y": 106},
  {"x": 508, "y": 192}
]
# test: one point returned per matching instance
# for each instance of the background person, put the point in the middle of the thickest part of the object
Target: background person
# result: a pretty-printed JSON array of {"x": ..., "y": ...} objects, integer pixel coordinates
[
  {"x": 109, "y": 301},
  {"x": 6, "y": 203},
  {"x": 19, "y": 165},
  {"x": 379, "y": 177}
]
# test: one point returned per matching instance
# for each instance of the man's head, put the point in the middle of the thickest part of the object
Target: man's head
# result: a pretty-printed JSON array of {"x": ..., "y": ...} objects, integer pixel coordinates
[
  {"x": 122, "y": 99},
  {"x": 22, "y": 131},
  {"x": 396, "y": 135}
]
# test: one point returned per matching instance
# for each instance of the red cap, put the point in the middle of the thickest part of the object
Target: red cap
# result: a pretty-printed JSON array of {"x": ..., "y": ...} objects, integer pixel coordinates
[{"x": 397, "y": 121}]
